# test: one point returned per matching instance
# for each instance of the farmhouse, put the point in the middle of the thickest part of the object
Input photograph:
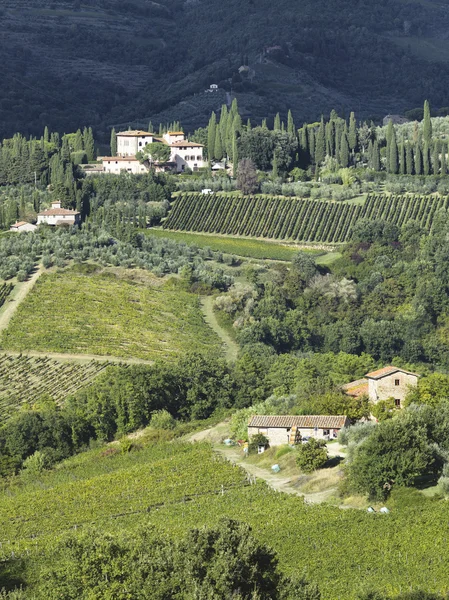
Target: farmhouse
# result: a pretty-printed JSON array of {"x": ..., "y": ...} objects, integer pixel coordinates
[
  {"x": 22, "y": 226},
  {"x": 183, "y": 155},
  {"x": 59, "y": 216},
  {"x": 291, "y": 429},
  {"x": 389, "y": 382}
]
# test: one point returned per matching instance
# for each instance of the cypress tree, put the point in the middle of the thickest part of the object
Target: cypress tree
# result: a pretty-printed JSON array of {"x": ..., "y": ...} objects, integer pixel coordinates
[
  {"x": 222, "y": 126},
  {"x": 443, "y": 159},
  {"x": 408, "y": 159},
  {"x": 436, "y": 158},
  {"x": 275, "y": 171},
  {"x": 392, "y": 157},
  {"x": 389, "y": 133},
  {"x": 418, "y": 160},
  {"x": 235, "y": 156},
  {"x": 291, "y": 129},
  {"x": 344, "y": 150},
  {"x": 248, "y": 125},
  {"x": 311, "y": 136},
  {"x": 402, "y": 158},
  {"x": 328, "y": 135},
  {"x": 46, "y": 135},
  {"x": 211, "y": 133},
  {"x": 426, "y": 159},
  {"x": 376, "y": 156},
  {"x": 277, "y": 122},
  {"x": 78, "y": 145},
  {"x": 352, "y": 134},
  {"x": 150, "y": 127},
  {"x": 304, "y": 155},
  {"x": 320, "y": 145},
  {"x": 427, "y": 125},
  {"x": 264, "y": 124},
  {"x": 89, "y": 143},
  {"x": 369, "y": 153},
  {"x": 218, "y": 150},
  {"x": 113, "y": 142}
]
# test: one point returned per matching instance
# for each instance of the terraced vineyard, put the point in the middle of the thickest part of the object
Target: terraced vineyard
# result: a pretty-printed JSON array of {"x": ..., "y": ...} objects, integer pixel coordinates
[
  {"x": 25, "y": 379},
  {"x": 295, "y": 219},
  {"x": 5, "y": 290}
]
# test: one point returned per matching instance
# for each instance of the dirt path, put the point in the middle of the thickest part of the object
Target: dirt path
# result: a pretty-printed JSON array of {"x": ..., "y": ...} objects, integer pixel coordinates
[
  {"x": 276, "y": 481},
  {"x": 16, "y": 297},
  {"x": 207, "y": 305}
]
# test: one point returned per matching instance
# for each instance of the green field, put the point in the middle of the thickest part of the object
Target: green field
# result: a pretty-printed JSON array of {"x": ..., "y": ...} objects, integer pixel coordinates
[
  {"x": 177, "y": 486},
  {"x": 26, "y": 379},
  {"x": 103, "y": 314},
  {"x": 247, "y": 248}
]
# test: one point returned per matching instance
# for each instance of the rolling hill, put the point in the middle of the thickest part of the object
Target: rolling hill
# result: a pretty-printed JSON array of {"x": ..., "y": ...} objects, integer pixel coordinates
[{"x": 67, "y": 63}]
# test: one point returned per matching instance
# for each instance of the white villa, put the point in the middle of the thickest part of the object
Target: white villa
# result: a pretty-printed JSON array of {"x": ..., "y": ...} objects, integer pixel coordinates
[
  {"x": 22, "y": 226},
  {"x": 57, "y": 215},
  {"x": 183, "y": 155}
]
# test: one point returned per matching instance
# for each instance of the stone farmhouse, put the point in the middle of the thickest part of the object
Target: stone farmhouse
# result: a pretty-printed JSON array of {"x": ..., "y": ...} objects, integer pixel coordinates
[
  {"x": 389, "y": 382},
  {"x": 57, "y": 215},
  {"x": 22, "y": 226},
  {"x": 292, "y": 429},
  {"x": 183, "y": 154}
]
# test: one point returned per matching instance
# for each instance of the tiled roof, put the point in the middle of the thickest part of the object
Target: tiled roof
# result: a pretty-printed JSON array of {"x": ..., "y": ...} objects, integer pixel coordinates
[
  {"x": 19, "y": 224},
  {"x": 130, "y": 158},
  {"x": 53, "y": 212},
  {"x": 186, "y": 144},
  {"x": 388, "y": 371},
  {"x": 356, "y": 388},
  {"x": 301, "y": 421},
  {"x": 175, "y": 133},
  {"x": 136, "y": 133}
]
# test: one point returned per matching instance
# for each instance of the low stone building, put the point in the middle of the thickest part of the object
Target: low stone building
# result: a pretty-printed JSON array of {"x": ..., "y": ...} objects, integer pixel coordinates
[
  {"x": 22, "y": 226},
  {"x": 57, "y": 215},
  {"x": 383, "y": 384},
  {"x": 291, "y": 429}
]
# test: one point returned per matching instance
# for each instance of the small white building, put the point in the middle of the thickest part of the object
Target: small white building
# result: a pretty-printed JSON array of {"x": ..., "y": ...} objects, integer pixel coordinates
[
  {"x": 292, "y": 429},
  {"x": 57, "y": 215},
  {"x": 21, "y": 226}
]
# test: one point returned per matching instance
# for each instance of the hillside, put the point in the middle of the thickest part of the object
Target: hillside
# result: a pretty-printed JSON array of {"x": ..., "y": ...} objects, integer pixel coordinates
[
  {"x": 68, "y": 63},
  {"x": 177, "y": 486}
]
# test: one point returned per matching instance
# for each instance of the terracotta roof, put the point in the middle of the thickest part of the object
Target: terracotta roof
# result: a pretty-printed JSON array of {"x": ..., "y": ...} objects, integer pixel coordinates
[
  {"x": 131, "y": 158},
  {"x": 58, "y": 211},
  {"x": 19, "y": 224},
  {"x": 185, "y": 143},
  {"x": 356, "y": 388},
  {"x": 301, "y": 421},
  {"x": 136, "y": 133},
  {"x": 175, "y": 132},
  {"x": 388, "y": 371}
]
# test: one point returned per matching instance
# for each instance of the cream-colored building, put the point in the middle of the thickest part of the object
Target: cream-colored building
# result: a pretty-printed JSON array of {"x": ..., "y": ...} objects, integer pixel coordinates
[
  {"x": 123, "y": 164},
  {"x": 22, "y": 226},
  {"x": 291, "y": 429},
  {"x": 129, "y": 143},
  {"x": 184, "y": 154},
  {"x": 57, "y": 215},
  {"x": 383, "y": 384}
]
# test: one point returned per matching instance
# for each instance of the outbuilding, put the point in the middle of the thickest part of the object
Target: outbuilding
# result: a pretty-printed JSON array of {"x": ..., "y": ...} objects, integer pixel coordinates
[
  {"x": 291, "y": 429},
  {"x": 22, "y": 226}
]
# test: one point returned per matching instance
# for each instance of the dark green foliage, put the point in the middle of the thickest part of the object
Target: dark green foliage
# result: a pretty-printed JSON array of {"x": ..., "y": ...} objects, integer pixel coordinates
[
  {"x": 256, "y": 441},
  {"x": 311, "y": 455},
  {"x": 247, "y": 176},
  {"x": 218, "y": 563}
]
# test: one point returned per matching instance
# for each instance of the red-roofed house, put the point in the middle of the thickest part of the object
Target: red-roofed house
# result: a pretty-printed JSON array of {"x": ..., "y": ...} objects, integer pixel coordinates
[
  {"x": 287, "y": 429},
  {"x": 389, "y": 382},
  {"x": 22, "y": 226},
  {"x": 57, "y": 215}
]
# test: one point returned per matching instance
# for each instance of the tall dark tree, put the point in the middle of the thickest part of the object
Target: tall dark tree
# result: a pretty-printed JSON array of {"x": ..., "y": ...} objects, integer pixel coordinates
[
  {"x": 426, "y": 159},
  {"x": 427, "y": 124},
  {"x": 247, "y": 176},
  {"x": 320, "y": 145},
  {"x": 418, "y": 160},
  {"x": 113, "y": 142},
  {"x": 352, "y": 133},
  {"x": 409, "y": 159},
  {"x": 344, "y": 150}
]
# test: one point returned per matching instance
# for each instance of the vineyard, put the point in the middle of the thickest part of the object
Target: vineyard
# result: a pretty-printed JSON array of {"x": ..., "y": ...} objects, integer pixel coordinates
[
  {"x": 295, "y": 219},
  {"x": 102, "y": 314},
  {"x": 24, "y": 380},
  {"x": 178, "y": 486}
]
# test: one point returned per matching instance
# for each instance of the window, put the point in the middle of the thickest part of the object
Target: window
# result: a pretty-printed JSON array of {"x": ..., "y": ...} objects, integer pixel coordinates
[
  {"x": 140, "y": 143},
  {"x": 397, "y": 382},
  {"x": 187, "y": 158},
  {"x": 397, "y": 402},
  {"x": 198, "y": 158}
]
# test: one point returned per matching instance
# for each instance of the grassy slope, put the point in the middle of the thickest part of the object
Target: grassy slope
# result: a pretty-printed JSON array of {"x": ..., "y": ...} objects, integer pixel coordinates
[
  {"x": 105, "y": 315},
  {"x": 339, "y": 549},
  {"x": 244, "y": 247}
]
